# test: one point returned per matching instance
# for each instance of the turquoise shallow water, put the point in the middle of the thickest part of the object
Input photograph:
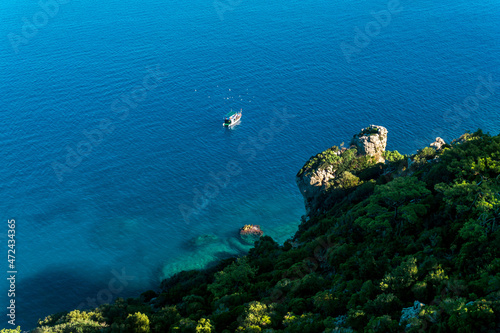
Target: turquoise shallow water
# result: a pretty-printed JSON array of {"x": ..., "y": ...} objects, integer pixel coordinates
[{"x": 118, "y": 211}]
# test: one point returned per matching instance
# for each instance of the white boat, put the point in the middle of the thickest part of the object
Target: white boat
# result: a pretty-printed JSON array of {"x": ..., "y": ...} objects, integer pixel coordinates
[{"x": 232, "y": 118}]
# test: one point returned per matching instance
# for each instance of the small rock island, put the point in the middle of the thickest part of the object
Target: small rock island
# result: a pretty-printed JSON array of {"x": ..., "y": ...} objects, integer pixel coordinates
[{"x": 250, "y": 233}]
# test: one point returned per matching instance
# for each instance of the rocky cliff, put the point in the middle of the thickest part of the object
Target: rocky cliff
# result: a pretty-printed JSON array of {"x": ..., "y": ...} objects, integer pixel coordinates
[
  {"x": 327, "y": 169},
  {"x": 371, "y": 141}
]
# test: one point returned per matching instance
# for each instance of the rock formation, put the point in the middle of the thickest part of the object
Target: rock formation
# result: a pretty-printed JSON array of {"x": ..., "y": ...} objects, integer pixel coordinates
[
  {"x": 411, "y": 312},
  {"x": 313, "y": 183},
  {"x": 250, "y": 233},
  {"x": 438, "y": 143},
  {"x": 371, "y": 141},
  {"x": 317, "y": 174}
]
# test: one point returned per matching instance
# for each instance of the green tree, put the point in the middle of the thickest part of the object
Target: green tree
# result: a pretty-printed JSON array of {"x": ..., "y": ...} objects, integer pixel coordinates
[
  {"x": 424, "y": 155},
  {"x": 234, "y": 278},
  {"x": 305, "y": 323},
  {"x": 402, "y": 277},
  {"x": 347, "y": 180},
  {"x": 204, "y": 326},
  {"x": 400, "y": 191},
  {"x": 257, "y": 314},
  {"x": 185, "y": 325},
  {"x": 162, "y": 320},
  {"x": 11, "y": 330},
  {"x": 137, "y": 323},
  {"x": 393, "y": 156},
  {"x": 477, "y": 316},
  {"x": 382, "y": 324}
]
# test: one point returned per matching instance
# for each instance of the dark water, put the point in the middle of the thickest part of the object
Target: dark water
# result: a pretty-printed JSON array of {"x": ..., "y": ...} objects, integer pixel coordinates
[{"x": 113, "y": 153}]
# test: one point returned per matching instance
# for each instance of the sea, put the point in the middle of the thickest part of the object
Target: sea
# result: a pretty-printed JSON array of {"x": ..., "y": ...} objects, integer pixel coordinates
[{"x": 116, "y": 171}]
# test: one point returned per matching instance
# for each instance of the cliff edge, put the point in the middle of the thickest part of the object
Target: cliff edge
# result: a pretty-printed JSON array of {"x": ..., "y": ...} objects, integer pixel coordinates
[
  {"x": 333, "y": 168},
  {"x": 371, "y": 141}
]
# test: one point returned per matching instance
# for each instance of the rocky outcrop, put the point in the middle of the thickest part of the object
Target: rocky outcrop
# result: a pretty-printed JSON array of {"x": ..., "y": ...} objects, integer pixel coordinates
[
  {"x": 371, "y": 141},
  {"x": 411, "y": 312},
  {"x": 318, "y": 173},
  {"x": 312, "y": 184},
  {"x": 438, "y": 143}
]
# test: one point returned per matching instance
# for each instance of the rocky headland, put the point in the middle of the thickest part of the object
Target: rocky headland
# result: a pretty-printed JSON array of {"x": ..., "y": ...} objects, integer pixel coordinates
[{"x": 322, "y": 171}]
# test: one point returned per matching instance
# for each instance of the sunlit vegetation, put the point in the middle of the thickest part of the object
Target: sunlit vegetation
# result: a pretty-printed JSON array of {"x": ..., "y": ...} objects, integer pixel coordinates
[
  {"x": 11, "y": 330},
  {"x": 420, "y": 228}
]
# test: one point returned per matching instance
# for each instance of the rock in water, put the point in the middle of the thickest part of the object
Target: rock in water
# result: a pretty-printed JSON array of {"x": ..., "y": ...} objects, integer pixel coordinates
[
  {"x": 203, "y": 240},
  {"x": 250, "y": 233},
  {"x": 371, "y": 141}
]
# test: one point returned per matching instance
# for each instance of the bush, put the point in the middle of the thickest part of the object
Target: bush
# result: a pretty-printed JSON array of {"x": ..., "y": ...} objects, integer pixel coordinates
[
  {"x": 402, "y": 277},
  {"x": 383, "y": 324},
  {"x": 234, "y": 278},
  {"x": 11, "y": 330},
  {"x": 204, "y": 326},
  {"x": 475, "y": 316},
  {"x": 257, "y": 315},
  {"x": 393, "y": 156},
  {"x": 306, "y": 323},
  {"x": 164, "y": 318},
  {"x": 148, "y": 296},
  {"x": 137, "y": 323}
]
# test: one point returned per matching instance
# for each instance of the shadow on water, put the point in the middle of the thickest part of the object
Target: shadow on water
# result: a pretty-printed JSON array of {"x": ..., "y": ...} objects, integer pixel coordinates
[
  {"x": 48, "y": 215},
  {"x": 58, "y": 289}
]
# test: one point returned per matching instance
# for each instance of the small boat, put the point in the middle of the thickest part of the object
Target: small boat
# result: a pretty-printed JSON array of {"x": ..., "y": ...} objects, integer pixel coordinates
[{"x": 232, "y": 118}]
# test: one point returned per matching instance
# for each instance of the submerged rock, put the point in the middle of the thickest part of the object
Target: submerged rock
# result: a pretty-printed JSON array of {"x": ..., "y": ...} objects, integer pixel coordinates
[
  {"x": 250, "y": 233},
  {"x": 203, "y": 240}
]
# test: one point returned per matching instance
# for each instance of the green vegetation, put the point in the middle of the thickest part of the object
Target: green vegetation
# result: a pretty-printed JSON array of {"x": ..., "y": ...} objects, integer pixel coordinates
[
  {"x": 370, "y": 131},
  {"x": 420, "y": 228},
  {"x": 322, "y": 160},
  {"x": 393, "y": 156},
  {"x": 6, "y": 330},
  {"x": 340, "y": 161}
]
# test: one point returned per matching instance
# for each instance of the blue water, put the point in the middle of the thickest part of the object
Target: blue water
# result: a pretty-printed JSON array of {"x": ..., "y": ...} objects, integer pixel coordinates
[{"x": 117, "y": 210}]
